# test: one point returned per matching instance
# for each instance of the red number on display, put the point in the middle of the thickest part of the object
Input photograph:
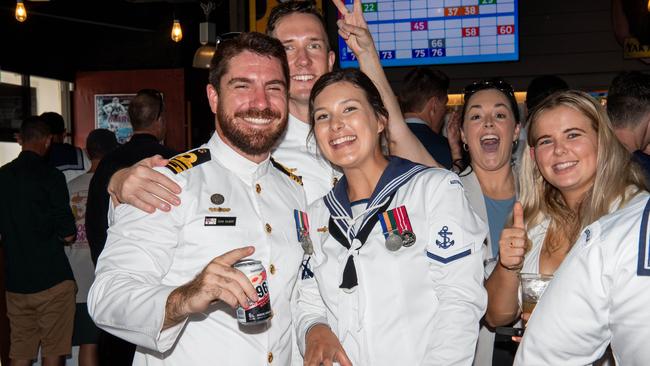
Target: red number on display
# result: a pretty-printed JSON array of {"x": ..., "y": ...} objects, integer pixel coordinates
[
  {"x": 470, "y": 32},
  {"x": 505, "y": 29}
]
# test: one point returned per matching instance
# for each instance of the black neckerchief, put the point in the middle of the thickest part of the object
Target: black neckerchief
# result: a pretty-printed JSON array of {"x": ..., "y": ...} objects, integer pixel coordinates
[{"x": 398, "y": 172}]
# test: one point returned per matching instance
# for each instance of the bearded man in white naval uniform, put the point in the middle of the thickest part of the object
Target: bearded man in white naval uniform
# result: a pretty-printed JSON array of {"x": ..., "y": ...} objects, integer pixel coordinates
[{"x": 165, "y": 281}]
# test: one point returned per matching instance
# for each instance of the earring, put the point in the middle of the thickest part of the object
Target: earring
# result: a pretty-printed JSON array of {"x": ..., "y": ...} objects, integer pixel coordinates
[
  {"x": 465, "y": 147},
  {"x": 514, "y": 145}
]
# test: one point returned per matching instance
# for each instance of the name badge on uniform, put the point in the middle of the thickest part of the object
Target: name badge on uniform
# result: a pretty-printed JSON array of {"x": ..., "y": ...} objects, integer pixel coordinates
[
  {"x": 397, "y": 229},
  {"x": 220, "y": 221},
  {"x": 302, "y": 229}
]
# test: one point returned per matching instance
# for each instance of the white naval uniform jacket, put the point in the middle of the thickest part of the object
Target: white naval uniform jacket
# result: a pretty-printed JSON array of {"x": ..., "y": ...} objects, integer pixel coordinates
[
  {"x": 599, "y": 294},
  {"x": 149, "y": 255},
  {"x": 299, "y": 153},
  {"x": 420, "y": 305}
]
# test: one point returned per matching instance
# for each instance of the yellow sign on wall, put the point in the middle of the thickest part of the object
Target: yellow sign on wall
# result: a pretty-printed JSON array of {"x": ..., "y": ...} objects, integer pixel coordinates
[
  {"x": 261, "y": 9},
  {"x": 633, "y": 49}
]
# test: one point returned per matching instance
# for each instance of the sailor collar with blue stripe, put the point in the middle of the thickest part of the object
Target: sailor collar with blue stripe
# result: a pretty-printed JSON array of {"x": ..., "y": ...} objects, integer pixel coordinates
[
  {"x": 398, "y": 172},
  {"x": 246, "y": 170}
]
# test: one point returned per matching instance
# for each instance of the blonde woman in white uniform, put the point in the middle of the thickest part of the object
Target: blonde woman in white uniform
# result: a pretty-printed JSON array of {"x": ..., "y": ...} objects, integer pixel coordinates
[{"x": 574, "y": 172}]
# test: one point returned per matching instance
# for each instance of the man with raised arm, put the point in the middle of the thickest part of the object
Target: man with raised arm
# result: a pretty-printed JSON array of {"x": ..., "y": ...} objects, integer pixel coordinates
[{"x": 301, "y": 29}]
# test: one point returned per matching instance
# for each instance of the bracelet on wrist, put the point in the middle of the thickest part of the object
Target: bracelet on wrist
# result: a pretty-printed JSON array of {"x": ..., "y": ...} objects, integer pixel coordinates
[{"x": 516, "y": 269}]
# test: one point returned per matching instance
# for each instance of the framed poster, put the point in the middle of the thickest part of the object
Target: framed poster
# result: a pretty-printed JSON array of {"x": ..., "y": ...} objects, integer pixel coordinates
[{"x": 111, "y": 114}]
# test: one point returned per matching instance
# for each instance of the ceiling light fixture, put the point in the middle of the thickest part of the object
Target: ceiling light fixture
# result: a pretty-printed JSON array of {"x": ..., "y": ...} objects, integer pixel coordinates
[
  {"x": 21, "y": 12},
  {"x": 207, "y": 37},
  {"x": 177, "y": 32}
]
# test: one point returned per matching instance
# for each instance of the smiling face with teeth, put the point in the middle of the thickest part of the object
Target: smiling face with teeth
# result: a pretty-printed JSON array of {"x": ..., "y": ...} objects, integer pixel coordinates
[
  {"x": 565, "y": 148},
  {"x": 251, "y": 104},
  {"x": 347, "y": 128},
  {"x": 489, "y": 130},
  {"x": 305, "y": 41}
]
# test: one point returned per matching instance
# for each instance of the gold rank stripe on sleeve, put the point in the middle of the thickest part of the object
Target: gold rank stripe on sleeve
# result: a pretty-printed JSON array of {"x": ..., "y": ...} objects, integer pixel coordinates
[
  {"x": 286, "y": 171},
  {"x": 188, "y": 160}
]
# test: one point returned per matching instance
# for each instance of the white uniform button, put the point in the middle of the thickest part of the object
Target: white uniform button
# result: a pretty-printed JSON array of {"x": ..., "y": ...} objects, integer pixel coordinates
[
  {"x": 272, "y": 269},
  {"x": 258, "y": 188},
  {"x": 268, "y": 228},
  {"x": 270, "y": 357}
]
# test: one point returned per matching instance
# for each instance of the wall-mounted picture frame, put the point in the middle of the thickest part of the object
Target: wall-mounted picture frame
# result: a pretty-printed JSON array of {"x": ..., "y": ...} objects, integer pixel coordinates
[{"x": 111, "y": 113}]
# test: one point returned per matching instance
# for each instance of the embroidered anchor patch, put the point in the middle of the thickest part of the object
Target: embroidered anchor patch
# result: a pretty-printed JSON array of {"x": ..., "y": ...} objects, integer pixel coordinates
[{"x": 446, "y": 240}]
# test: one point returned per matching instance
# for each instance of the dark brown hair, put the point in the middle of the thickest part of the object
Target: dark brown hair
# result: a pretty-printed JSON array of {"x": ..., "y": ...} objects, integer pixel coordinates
[
  {"x": 254, "y": 42},
  {"x": 419, "y": 85}
]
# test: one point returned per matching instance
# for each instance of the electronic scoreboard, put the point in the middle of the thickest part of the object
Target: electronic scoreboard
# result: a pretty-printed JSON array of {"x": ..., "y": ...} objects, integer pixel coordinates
[{"x": 425, "y": 32}]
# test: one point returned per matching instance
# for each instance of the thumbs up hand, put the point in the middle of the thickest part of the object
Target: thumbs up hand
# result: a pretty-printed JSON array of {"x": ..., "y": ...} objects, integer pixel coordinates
[{"x": 512, "y": 244}]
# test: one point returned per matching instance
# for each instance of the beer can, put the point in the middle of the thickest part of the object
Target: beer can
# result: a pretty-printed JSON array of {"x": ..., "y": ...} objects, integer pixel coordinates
[{"x": 259, "y": 311}]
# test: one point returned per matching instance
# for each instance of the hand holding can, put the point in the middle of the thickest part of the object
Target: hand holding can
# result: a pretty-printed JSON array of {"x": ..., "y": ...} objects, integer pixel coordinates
[{"x": 254, "y": 312}]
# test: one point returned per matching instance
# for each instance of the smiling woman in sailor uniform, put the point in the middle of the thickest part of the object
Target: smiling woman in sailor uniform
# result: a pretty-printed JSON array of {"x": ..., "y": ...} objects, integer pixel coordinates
[{"x": 392, "y": 272}]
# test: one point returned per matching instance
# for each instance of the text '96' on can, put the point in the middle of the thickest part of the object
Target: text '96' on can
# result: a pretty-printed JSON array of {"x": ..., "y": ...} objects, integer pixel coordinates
[{"x": 259, "y": 311}]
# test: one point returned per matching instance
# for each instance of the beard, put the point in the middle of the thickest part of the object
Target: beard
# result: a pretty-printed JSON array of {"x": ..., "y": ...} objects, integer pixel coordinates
[{"x": 251, "y": 141}]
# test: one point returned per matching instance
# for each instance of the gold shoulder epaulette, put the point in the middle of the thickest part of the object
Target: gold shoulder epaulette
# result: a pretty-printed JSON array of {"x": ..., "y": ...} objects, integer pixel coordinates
[
  {"x": 286, "y": 171},
  {"x": 188, "y": 160}
]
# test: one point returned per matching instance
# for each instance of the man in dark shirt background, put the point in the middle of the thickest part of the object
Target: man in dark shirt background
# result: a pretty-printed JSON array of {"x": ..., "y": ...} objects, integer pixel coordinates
[
  {"x": 71, "y": 160},
  {"x": 628, "y": 106},
  {"x": 35, "y": 223},
  {"x": 423, "y": 100},
  {"x": 146, "y": 115}
]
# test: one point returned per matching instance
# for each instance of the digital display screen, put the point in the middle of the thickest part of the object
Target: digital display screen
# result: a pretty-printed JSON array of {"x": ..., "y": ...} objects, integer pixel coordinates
[{"x": 430, "y": 32}]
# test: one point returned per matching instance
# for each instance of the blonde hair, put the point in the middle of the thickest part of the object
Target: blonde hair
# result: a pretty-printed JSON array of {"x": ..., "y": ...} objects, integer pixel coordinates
[{"x": 615, "y": 172}]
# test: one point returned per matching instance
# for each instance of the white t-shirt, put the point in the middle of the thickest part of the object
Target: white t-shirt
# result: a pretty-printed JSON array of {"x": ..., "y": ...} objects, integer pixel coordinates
[{"x": 79, "y": 252}]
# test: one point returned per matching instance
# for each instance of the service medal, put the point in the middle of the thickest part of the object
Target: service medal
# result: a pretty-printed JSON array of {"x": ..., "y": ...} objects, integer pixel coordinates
[
  {"x": 408, "y": 238},
  {"x": 397, "y": 229},
  {"x": 306, "y": 243},
  {"x": 393, "y": 242},
  {"x": 302, "y": 230}
]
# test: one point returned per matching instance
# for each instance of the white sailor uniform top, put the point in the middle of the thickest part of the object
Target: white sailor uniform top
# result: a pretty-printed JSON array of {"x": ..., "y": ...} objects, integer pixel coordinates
[
  {"x": 419, "y": 305},
  {"x": 599, "y": 295},
  {"x": 227, "y": 202}
]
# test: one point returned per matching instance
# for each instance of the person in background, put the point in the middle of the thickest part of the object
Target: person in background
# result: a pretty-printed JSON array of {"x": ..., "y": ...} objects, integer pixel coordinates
[
  {"x": 71, "y": 160},
  {"x": 538, "y": 89},
  {"x": 628, "y": 107},
  {"x": 146, "y": 113},
  {"x": 98, "y": 143},
  {"x": 35, "y": 223},
  {"x": 574, "y": 172},
  {"x": 541, "y": 87},
  {"x": 489, "y": 128},
  {"x": 423, "y": 101}
]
